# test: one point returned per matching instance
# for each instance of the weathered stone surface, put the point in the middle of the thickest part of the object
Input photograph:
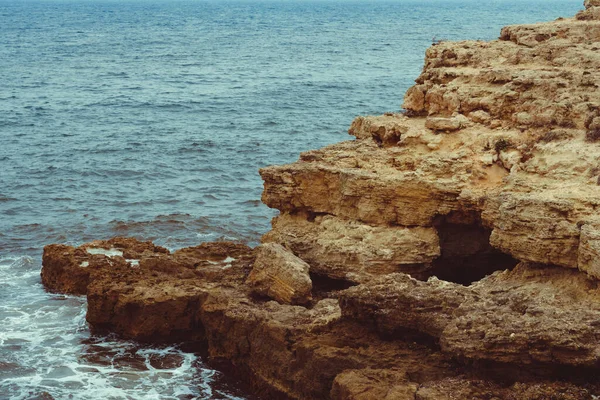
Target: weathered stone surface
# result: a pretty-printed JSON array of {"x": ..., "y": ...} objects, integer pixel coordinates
[
  {"x": 589, "y": 250},
  {"x": 386, "y": 129},
  {"x": 397, "y": 302},
  {"x": 473, "y": 389},
  {"x": 280, "y": 275},
  {"x": 591, "y": 3},
  {"x": 370, "y": 384},
  {"x": 538, "y": 227},
  {"x": 68, "y": 270},
  {"x": 519, "y": 175},
  {"x": 354, "y": 251},
  {"x": 157, "y": 310},
  {"x": 445, "y": 124},
  {"x": 533, "y": 314},
  {"x": 522, "y": 109},
  {"x": 62, "y": 271}
]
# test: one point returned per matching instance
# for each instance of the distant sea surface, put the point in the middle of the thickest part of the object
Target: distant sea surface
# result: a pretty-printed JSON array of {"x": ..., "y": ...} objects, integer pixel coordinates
[{"x": 151, "y": 119}]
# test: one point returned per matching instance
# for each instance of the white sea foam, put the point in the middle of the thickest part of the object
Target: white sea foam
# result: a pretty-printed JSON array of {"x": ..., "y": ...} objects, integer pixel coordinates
[{"x": 45, "y": 346}]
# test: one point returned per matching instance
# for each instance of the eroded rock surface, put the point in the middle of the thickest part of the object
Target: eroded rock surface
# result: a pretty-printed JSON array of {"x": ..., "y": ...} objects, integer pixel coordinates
[
  {"x": 507, "y": 129},
  {"x": 280, "y": 275},
  {"x": 449, "y": 252}
]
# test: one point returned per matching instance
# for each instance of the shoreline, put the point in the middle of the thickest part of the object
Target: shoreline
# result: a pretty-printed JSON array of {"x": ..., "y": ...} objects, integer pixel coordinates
[{"x": 450, "y": 249}]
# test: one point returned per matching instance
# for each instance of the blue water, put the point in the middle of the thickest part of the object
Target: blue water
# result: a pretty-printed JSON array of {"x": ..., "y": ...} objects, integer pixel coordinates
[{"x": 151, "y": 119}]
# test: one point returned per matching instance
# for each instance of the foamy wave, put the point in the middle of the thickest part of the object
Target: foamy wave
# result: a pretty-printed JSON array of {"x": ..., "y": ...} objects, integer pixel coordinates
[{"x": 46, "y": 348}]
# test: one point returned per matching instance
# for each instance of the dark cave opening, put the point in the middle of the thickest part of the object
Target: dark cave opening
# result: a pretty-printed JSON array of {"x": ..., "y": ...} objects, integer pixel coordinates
[
  {"x": 325, "y": 286},
  {"x": 466, "y": 253}
]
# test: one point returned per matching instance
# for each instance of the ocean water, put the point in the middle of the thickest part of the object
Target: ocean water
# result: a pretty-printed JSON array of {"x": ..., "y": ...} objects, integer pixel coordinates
[{"x": 151, "y": 119}]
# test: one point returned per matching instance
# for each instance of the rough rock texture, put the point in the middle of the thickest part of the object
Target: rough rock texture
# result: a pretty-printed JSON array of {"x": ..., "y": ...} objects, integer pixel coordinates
[
  {"x": 69, "y": 270},
  {"x": 504, "y": 129},
  {"x": 453, "y": 248},
  {"x": 285, "y": 351},
  {"x": 280, "y": 275},
  {"x": 354, "y": 251},
  {"x": 533, "y": 314},
  {"x": 461, "y": 388},
  {"x": 367, "y": 384},
  {"x": 397, "y": 302}
]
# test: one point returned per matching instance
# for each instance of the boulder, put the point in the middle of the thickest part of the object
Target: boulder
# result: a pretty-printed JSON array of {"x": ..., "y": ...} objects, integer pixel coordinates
[{"x": 277, "y": 273}]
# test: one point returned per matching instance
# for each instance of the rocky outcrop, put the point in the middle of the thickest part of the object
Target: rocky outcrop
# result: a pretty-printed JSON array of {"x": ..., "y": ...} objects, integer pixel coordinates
[
  {"x": 533, "y": 314},
  {"x": 367, "y": 384},
  {"x": 69, "y": 270},
  {"x": 353, "y": 251},
  {"x": 285, "y": 351},
  {"x": 280, "y": 275},
  {"x": 449, "y": 252},
  {"x": 503, "y": 129}
]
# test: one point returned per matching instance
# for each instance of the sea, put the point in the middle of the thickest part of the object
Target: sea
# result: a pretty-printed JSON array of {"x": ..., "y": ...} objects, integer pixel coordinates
[{"x": 151, "y": 118}]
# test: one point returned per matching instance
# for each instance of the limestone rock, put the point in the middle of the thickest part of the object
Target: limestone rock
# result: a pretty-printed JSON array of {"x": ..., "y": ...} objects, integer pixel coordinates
[
  {"x": 520, "y": 155},
  {"x": 589, "y": 250},
  {"x": 444, "y": 124},
  {"x": 63, "y": 271},
  {"x": 518, "y": 176},
  {"x": 591, "y": 3},
  {"x": 398, "y": 302},
  {"x": 354, "y": 251},
  {"x": 387, "y": 130},
  {"x": 478, "y": 389},
  {"x": 280, "y": 275},
  {"x": 69, "y": 270},
  {"x": 533, "y": 314},
  {"x": 369, "y": 384}
]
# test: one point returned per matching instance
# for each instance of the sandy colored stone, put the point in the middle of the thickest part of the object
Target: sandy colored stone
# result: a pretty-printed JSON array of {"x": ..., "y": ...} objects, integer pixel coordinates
[
  {"x": 442, "y": 124},
  {"x": 397, "y": 302},
  {"x": 589, "y": 250},
  {"x": 371, "y": 384},
  {"x": 387, "y": 129},
  {"x": 523, "y": 160},
  {"x": 277, "y": 273},
  {"x": 477, "y": 389},
  {"x": 354, "y": 251},
  {"x": 533, "y": 314},
  {"x": 591, "y": 3}
]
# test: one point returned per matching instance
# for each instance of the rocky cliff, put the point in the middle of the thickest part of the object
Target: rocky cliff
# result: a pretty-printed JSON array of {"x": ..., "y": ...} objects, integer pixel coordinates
[{"x": 451, "y": 251}]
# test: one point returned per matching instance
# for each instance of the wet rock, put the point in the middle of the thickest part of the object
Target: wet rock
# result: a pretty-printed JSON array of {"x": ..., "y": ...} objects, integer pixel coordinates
[
  {"x": 62, "y": 271},
  {"x": 279, "y": 274},
  {"x": 165, "y": 361},
  {"x": 41, "y": 396}
]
